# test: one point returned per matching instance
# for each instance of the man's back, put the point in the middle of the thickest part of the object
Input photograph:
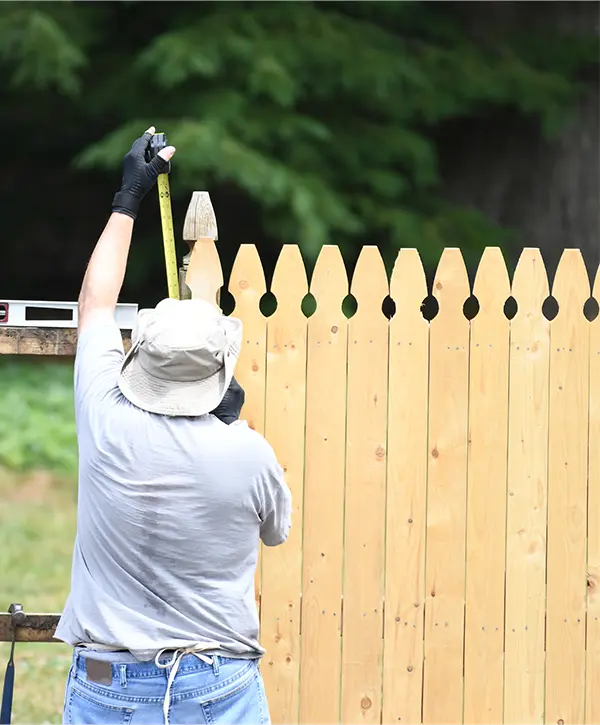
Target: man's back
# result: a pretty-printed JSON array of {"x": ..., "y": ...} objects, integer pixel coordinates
[{"x": 170, "y": 513}]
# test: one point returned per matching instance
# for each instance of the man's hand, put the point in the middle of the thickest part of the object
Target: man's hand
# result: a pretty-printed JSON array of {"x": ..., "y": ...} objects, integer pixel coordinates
[
  {"x": 139, "y": 175},
  {"x": 106, "y": 270},
  {"x": 230, "y": 407}
]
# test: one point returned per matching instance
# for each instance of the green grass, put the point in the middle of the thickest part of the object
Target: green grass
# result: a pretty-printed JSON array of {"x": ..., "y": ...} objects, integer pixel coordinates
[
  {"x": 37, "y": 530},
  {"x": 37, "y": 422},
  {"x": 38, "y": 461}
]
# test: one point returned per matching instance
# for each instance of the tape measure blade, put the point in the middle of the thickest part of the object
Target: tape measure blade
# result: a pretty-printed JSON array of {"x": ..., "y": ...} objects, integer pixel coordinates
[{"x": 166, "y": 215}]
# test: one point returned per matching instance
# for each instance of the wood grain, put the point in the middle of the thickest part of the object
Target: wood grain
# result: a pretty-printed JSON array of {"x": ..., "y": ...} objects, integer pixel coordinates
[
  {"x": 446, "y": 494},
  {"x": 592, "y": 700},
  {"x": 567, "y": 493},
  {"x": 524, "y": 664},
  {"x": 247, "y": 286},
  {"x": 49, "y": 341},
  {"x": 406, "y": 493},
  {"x": 320, "y": 668},
  {"x": 486, "y": 494},
  {"x": 362, "y": 631},
  {"x": 284, "y": 428}
]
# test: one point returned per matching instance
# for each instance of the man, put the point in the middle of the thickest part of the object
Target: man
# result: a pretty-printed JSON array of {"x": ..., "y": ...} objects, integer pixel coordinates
[{"x": 172, "y": 503}]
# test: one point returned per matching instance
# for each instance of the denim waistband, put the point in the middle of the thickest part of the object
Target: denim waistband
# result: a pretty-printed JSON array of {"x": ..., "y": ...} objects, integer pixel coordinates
[{"x": 129, "y": 670}]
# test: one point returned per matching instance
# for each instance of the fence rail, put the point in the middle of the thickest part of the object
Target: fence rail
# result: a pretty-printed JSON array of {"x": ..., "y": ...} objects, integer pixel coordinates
[{"x": 444, "y": 562}]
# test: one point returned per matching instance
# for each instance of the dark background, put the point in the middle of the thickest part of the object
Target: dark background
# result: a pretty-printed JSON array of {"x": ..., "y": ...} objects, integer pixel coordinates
[{"x": 415, "y": 124}]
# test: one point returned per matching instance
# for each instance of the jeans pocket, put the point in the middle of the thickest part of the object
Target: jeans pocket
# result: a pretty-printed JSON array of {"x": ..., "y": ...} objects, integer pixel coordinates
[
  {"x": 244, "y": 705},
  {"x": 84, "y": 709}
]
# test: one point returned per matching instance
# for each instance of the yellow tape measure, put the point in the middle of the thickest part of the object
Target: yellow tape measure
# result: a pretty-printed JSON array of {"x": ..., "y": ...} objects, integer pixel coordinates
[
  {"x": 158, "y": 142},
  {"x": 166, "y": 218}
]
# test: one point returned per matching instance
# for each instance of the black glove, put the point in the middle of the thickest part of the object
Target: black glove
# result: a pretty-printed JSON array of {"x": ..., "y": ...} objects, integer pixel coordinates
[
  {"x": 230, "y": 407},
  {"x": 139, "y": 176}
]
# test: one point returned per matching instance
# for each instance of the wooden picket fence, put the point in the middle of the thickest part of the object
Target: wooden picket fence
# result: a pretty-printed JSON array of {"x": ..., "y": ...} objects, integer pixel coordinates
[{"x": 444, "y": 561}]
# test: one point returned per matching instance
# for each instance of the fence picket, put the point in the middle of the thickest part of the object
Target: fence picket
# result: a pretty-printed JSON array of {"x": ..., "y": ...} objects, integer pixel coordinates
[
  {"x": 204, "y": 276},
  {"x": 592, "y": 700},
  {"x": 406, "y": 493},
  {"x": 446, "y": 494},
  {"x": 247, "y": 286},
  {"x": 567, "y": 493},
  {"x": 284, "y": 428},
  {"x": 320, "y": 668},
  {"x": 486, "y": 493},
  {"x": 524, "y": 664},
  {"x": 362, "y": 626}
]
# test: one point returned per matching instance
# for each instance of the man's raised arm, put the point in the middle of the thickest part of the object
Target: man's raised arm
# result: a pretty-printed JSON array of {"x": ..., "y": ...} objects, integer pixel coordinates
[{"x": 106, "y": 270}]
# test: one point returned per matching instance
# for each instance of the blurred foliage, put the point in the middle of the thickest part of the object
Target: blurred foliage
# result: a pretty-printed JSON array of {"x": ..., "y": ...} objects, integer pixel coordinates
[
  {"x": 37, "y": 421},
  {"x": 323, "y": 114}
]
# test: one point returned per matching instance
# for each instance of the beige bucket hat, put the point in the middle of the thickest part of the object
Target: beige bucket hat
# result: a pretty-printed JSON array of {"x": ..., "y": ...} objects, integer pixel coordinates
[{"x": 182, "y": 358}]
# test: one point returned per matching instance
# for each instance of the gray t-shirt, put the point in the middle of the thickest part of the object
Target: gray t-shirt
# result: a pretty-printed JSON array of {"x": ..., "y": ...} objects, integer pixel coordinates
[{"x": 170, "y": 513}]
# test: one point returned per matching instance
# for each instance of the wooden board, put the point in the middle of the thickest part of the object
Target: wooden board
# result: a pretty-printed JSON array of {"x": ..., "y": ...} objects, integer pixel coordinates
[
  {"x": 446, "y": 494},
  {"x": 406, "y": 493},
  {"x": 204, "y": 276},
  {"x": 486, "y": 493},
  {"x": 524, "y": 664},
  {"x": 35, "y": 628},
  {"x": 284, "y": 428},
  {"x": 362, "y": 629},
  {"x": 320, "y": 668},
  {"x": 247, "y": 286},
  {"x": 567, "y": 493},
  {"x": 44, "y": 341},
  {"x": 592, "y": 700}
]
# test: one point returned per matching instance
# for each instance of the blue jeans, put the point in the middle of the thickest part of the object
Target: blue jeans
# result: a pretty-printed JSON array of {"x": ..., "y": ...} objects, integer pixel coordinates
[{"x": 226, "y": 691}]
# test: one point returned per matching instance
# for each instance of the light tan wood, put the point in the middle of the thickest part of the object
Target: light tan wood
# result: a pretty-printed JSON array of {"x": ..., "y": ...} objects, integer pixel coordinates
[
  {"x": 47, "y": 341},
  {"x": 373, "y": 669},
  {"x": 567, "y": 492},
  {"x": 524, "y": 664},
  {"x": 406, "y": 493},
  {"x": 200, "y": 221},
  {"x": 362, "y": 627},
  {"x": 204, "y": 275},
  {"x": 486, "y": 493},
  {"x": 284, "y": 428},
  {"x": 446, "y": 494},
  {"x": 200, "y": 228},
  {"x": 592, "y": 700},
  {"x": 320, "y": 669},
  {"x": 247, "y": 286}
]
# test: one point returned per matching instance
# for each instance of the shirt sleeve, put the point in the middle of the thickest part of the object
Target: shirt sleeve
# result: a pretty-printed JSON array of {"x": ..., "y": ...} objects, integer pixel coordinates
[
  {"x": 276, "y": 509},
  {"x": 98, "y": 361}
]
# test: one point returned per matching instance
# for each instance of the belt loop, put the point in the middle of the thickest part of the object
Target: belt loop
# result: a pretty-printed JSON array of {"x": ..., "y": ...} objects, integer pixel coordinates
[
  {"x": 75, "y": 664},
  {"x": 123, "y": 671},
  {"x": 215, "y": 664}
]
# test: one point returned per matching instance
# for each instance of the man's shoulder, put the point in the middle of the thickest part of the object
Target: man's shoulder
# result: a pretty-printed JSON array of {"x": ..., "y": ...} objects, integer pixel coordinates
[{"x": 252, "y": 442}]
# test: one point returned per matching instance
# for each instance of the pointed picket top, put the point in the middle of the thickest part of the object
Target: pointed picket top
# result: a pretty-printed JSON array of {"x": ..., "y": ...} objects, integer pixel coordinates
[
  {"x": 451, "y": 284},
  {"x": 596, "y": 292},
  {"x": 571, "y": 282},
  {"x": 369, "y": 281},
  {"x": 290, "y": 284},
  {"x": 530, "y": 283},
  {"x": 204, "y": 274},
  {"x": 408, "y": 286},
  {"x": 247, "y": 281},
  {"x": 329, "y": 282},
  {"x": 492, "y": 285}
]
